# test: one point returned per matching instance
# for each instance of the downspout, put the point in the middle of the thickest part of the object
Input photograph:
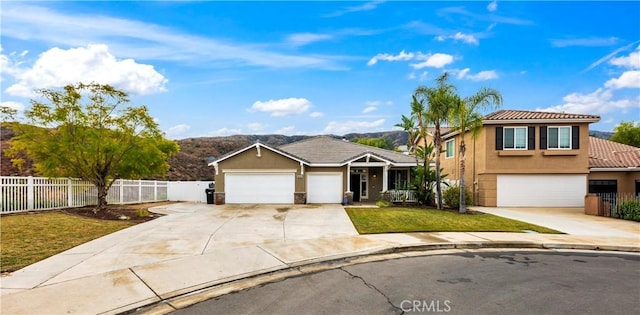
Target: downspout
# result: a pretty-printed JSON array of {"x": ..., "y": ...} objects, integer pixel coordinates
[{"x": 473, "y": 190}]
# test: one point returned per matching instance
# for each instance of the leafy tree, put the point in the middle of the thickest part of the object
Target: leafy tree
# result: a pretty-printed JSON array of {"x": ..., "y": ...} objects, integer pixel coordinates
[
  {"x": 83, "y": 131},
  {"x": 381, "y": 142},
  {"x": 439, "y": 100},
  {"x": 464, "y": 117},
  {"x": 627, "y": 132}
]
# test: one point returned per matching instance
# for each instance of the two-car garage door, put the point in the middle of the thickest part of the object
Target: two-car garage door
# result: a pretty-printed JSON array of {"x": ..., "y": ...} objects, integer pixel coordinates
[
  {"x": 541, "y": 190},
  {"x": 273, "y": 188}
]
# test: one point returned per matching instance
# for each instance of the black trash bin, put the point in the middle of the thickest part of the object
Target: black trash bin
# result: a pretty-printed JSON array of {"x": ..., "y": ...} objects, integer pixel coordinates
[{"x": 209, "y": 192}]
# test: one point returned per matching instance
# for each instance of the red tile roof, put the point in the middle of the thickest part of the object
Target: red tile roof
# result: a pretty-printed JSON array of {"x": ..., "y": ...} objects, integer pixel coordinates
[
  {"x": 530, "y": 115},
  {"x": 609, "y": 154}
]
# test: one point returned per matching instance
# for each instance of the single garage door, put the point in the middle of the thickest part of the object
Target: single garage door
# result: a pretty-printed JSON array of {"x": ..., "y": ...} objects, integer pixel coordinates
[
  {"x": 259, "y": 187},
  {"x": 324, "y": 188},
  {"x": 541, "y": 190}
]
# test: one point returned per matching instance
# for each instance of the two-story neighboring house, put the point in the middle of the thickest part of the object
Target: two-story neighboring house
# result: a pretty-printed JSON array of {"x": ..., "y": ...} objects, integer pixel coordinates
[{"x": 524, "y": 159}]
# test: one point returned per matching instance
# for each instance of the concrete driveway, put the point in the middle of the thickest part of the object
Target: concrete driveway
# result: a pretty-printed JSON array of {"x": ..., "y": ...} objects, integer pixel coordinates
[
  {"x": 189, "y": 229},
  {"x": 569, "y": 220}
]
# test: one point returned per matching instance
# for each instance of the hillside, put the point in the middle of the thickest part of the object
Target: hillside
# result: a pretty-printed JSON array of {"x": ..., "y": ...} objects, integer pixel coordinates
[{"x": 195, "y": 153}]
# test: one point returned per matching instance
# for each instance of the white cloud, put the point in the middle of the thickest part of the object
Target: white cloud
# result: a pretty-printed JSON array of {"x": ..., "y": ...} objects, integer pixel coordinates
[
  {"x": 13, "y": 105},
  {"x": 423, "y": 75},
  {"x": 631, "y": 61},
  {"x": 373, "y": 103},
  {"x": 368, "y": 6},
  {"x": 282, "y": 107},
  {"x": 411, "y": 76},
  {"x": 148, "y": 41},
  {"x": 402, "y": 56},
  {"x": 628, "y": 79},
  {"x": 288, "y": 130},
  {"x": 177, "y": 130},
  {"x": 609, "y": 56},
  {"x": 301, "y": 39},
  {"x": 466, "y": 38},
  {"x": 369, "y": 109},
  {"x": 226, "y": 132},
  {"x": 599, "y": 101},
  {"x": 256, "y": 126},
  {"x": 436, "y": 60},
  {"x": 585, "y": 42},
  {"x": 352, "y": 126},
  {"x": 492, "y": 6},
  {"x": 316, "y": 115},
  {"x": 94, "y": 63},
  {"x": 480, "y": 76}
]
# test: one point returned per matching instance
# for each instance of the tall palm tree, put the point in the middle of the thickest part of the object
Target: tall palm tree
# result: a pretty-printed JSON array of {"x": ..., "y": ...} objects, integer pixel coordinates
[
  {"x": 439, "y": 100},
  {"x": 418, "y": 113},
  {"x": 466, "y": 118}
]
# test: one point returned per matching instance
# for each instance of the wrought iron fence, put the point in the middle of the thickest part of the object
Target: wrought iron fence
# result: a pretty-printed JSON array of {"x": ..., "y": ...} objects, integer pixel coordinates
[{"x": 611, "y": 201}]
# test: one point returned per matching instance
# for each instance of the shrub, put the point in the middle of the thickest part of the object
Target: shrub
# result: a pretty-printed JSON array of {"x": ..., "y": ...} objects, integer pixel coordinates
[
  {"x": 142, "y": 213},
  {"x": 383, "y": 204},
  {"x": 451, "y": 196},
  {"x": 629, "y": 210}
]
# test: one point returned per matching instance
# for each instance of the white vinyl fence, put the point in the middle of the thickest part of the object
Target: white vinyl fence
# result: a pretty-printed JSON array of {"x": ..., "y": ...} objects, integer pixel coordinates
[
  {"x": 188, "y": 191},
  {"x": 19, "y": 194}
]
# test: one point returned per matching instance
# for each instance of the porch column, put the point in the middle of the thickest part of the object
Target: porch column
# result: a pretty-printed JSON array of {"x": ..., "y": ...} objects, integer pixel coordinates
[
  {"x": 385, "y": 178},
  {"x": 348, "y": 177}
]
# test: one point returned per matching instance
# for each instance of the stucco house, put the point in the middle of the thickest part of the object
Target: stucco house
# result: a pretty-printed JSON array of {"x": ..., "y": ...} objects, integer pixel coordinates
[
  {"x": 316, "y": 170},
  {"x": 613, "y": 167},
  {"x": 524, "y": 159}
]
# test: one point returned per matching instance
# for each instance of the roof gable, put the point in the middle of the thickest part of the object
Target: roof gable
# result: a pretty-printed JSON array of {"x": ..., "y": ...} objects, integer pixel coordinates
[{"x": 257, "y": 146}]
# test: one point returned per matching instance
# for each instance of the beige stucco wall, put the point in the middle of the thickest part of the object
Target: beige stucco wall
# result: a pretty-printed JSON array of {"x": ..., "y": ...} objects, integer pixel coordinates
[
  {"x": 249, "y": 160},
  {"x": 489, "y": 162},
  {"x": 626, "y": 180}
]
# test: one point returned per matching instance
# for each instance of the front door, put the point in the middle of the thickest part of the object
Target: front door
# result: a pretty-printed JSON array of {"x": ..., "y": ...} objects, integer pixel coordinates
[{"x": 355, "y": 187}]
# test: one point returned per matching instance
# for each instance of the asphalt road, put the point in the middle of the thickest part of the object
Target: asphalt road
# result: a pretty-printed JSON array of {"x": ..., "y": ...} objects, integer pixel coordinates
[{"x": 469, "y": 283}]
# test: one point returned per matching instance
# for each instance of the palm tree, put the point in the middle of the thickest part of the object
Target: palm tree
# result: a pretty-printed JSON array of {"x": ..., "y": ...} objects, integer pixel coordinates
[
  {"x": 409, "y": 126},
  {"x": 465, "y": 117},
  {"x": 439, "y": 100}
]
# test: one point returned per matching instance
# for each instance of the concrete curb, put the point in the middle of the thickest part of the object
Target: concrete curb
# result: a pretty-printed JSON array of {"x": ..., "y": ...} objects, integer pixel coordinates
[{"x": 305, "y": 267}]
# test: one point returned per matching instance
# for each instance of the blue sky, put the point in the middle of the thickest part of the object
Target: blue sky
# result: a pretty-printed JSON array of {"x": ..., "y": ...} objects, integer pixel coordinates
[{"x": 222, "y": 68}]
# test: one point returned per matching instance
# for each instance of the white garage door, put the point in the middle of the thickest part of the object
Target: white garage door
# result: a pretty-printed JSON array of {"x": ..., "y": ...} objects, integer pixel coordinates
[
  {"x": 324, "y": 188},
  {"x": 259, "y": 187},
  {"x": 541, "y": 190}
]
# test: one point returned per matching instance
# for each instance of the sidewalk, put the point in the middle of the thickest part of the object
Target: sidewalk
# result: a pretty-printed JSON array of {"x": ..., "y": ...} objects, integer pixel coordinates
[{"x": 33, "y": 290}]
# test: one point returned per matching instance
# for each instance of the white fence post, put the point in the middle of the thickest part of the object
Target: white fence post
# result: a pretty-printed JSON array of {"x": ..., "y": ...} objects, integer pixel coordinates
[
  {"x": 121, "y": 185},
  {"x": 69, "y": 193},
  {"x": 30, "y": 194},
  {"x": 139, "y": 190},
  {"x": 155, "y": 190}
]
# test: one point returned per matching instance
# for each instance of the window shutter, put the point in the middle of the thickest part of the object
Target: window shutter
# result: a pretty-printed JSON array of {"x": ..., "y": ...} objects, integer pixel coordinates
[
  {"x": 575, "y": 137},
  {"x": 543, "y": 137},
  {"x": 499, "y": 135},
  {"x": 531, "y": 142}
]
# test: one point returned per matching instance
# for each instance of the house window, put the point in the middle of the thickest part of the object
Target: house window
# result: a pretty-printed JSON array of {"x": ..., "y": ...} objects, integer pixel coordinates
[
  {"x": 515, "y": 138},
  {"x": 363, "y": 186},
  {"x": 450, "y": 147},
  {"x": 559, "y": 138},
  {"x": 603, "y": 186},
  {"x": 398, "y": 179}
]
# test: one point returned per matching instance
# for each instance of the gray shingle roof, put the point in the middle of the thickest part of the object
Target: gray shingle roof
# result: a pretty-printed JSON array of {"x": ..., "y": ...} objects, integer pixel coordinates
[{"x": 327, "y": 150}]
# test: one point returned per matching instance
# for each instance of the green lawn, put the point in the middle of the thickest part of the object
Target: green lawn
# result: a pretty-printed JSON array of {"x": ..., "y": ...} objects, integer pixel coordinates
[
  {"x": 29, "y": 238},
  {"x": 397, "y": 219}
]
